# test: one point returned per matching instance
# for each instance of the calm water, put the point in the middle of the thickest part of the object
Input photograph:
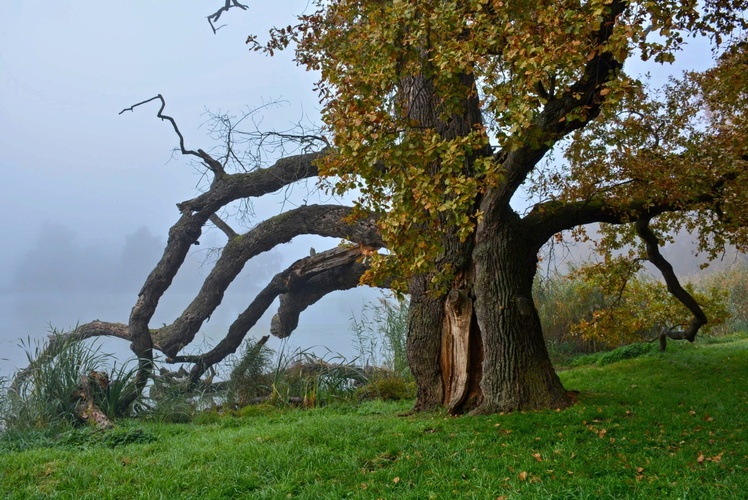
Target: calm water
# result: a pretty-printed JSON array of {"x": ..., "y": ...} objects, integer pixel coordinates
[{"x": 324, "y": 328}]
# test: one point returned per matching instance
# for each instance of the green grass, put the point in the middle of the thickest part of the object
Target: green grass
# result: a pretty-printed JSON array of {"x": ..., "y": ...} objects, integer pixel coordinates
[{"x": 664, "y": 425}]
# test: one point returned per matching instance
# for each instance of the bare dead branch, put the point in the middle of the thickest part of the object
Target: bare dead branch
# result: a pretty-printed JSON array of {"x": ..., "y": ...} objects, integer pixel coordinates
[
  {"x": 171, "y": 120},
  {"x": 212, "y": 164},
  {"x": 213, "y": 18},
  {"x": 300, "y": 138}
]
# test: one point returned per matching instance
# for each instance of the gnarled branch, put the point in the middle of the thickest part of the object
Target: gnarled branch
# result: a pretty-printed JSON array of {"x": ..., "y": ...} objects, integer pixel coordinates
[
  {"x": 338, "y": 265},
  {"x": 322, "y": 220},
  {"x": 673, "y": 286}
]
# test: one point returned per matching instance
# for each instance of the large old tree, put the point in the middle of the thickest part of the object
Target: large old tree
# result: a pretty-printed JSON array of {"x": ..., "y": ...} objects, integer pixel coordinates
[{"x": 438, "y": 115}]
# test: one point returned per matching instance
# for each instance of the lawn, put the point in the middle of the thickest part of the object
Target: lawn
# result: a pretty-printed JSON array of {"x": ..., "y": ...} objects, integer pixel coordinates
[{"x": 670, "y": 425}]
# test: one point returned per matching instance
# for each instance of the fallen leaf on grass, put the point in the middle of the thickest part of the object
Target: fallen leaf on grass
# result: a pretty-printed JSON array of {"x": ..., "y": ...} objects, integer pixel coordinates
[
  {"x": 538, "y": 457},
  {"x": 523, "y": 476}
]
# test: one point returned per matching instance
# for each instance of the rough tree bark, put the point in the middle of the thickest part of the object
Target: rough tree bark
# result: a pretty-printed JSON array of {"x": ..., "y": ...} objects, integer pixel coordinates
[{"x": 441, "y": 331}]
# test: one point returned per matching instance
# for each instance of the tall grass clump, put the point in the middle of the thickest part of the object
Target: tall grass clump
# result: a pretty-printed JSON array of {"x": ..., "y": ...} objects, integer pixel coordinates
[
  {"x": 47, "y": 392},
  {"x": 43, "y": 395},
  {"x": 302, "y": 377},
  {"x": 380, "y": 335},
  {"x": 290, "y": 377},
  {"x": 250, "y": 378}
]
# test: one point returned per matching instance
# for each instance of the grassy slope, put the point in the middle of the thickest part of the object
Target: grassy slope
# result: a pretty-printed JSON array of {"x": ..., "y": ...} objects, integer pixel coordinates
[{"x": 665, "y": 426}]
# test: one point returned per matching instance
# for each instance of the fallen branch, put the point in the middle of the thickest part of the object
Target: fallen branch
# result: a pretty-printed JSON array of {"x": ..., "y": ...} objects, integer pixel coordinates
[{"x": 86, "y": 409}]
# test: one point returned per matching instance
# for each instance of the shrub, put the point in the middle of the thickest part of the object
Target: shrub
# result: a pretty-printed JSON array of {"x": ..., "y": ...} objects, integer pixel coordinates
[
  {"x": 612, "y": 303},
  {"x": 619, "y": 354},
  {"x": 630, "y": 351},
  {"x": 388, "y": 389},
  {"x": 734, "y": 281}
]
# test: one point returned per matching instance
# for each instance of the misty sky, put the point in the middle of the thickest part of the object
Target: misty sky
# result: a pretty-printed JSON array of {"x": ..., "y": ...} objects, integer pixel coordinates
[{"x": 87, "y": 195}]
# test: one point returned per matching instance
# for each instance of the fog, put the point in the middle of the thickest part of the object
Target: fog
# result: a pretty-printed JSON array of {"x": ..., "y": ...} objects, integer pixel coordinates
[{"x": 88, "y": 195}]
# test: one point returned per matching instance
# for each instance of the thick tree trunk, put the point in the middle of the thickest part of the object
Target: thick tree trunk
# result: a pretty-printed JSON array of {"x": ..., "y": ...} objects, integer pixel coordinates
[
  {"x": 425, "y": 322},
  {"x": 480, "y": 347},
  {"x": 517, "y": 371}
]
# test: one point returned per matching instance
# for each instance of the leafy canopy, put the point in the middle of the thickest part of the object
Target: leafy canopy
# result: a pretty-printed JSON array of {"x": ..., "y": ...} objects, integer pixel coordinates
[{"x": 536, "y": 71}]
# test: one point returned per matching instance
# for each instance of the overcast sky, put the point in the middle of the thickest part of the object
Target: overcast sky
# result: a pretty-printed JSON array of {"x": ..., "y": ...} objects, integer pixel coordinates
[
  {"x": 68, "y": 68},
  {"x": 87, "y": 195}
]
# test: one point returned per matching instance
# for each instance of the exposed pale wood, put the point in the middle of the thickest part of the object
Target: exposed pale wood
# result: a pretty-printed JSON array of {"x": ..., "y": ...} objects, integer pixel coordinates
[{"x": 458, "y": 310}]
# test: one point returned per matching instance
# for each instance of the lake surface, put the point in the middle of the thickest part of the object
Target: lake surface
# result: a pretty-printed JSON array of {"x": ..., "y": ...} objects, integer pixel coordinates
[{"x": 324, "y": 328}]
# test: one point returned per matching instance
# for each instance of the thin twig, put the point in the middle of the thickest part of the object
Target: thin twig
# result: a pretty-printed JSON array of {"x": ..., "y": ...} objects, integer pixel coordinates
[
  {"x": 161, "y": 115},
  {"x": 211, "y": 163},
  {"x": 217, "y": 14}
]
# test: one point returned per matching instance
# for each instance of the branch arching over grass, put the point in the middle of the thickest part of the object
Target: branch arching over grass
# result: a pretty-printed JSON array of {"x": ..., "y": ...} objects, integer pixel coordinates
[
  {"x": 57, "y": 343},
  {"x": 673, "y": 286}
]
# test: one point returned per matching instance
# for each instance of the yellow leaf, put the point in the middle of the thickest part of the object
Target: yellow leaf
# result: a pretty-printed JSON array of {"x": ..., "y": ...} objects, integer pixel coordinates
[{"x": 523, "y": 476}]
